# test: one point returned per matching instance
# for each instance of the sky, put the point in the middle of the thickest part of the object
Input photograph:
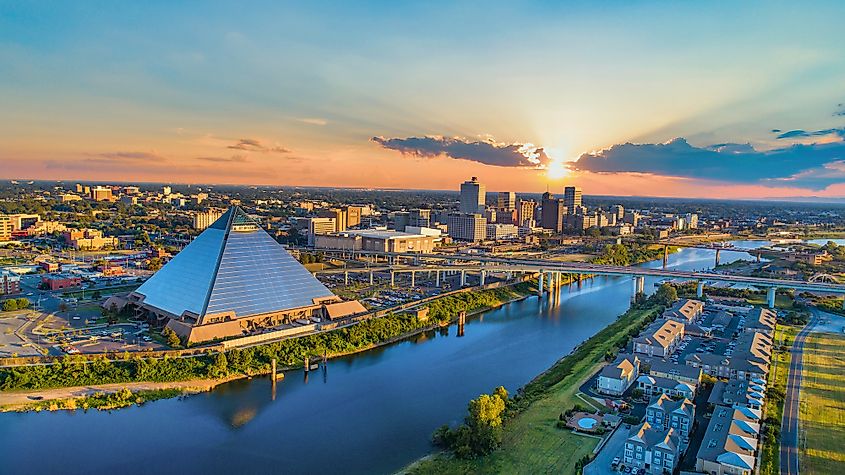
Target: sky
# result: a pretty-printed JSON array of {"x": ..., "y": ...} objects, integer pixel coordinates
[{"x": 649, "y": 98}]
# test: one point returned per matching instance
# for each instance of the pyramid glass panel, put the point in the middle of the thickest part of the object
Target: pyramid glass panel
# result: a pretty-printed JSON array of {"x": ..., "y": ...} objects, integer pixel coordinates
[{"x": 233, "y": 266}]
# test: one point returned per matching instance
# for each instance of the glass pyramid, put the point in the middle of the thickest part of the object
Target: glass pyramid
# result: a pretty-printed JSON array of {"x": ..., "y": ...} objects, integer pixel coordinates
[{"x": 233, "y": 266}]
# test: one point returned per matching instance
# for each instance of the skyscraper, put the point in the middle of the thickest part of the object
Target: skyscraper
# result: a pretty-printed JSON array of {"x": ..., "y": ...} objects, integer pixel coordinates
[
  {"x": 473, "y": 196},
  {"x": 552, "y": 212},
  {"x": 572, "y": 198},
  {"x": 506, "y": 200},
  {"x": 526, "y": 211}
]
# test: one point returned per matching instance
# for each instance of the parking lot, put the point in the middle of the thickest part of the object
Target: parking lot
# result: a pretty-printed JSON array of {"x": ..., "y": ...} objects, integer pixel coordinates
[
  {"x": 12, "y": 324},
  {"x": 615, "y": 446}
]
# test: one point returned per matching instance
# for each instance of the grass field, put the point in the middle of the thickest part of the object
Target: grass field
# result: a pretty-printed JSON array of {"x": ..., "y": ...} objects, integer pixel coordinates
[
  {"x": 823, "y": 404},
  {"x": 770, "y": 451},
  {"x": 532, "y": 443}
]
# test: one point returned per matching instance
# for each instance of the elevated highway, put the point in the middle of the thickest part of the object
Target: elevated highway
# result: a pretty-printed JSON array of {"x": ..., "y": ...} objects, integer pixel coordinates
[{"x": 548, "y": 269}]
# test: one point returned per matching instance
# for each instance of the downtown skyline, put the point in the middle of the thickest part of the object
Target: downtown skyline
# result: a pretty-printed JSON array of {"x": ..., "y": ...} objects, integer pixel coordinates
[{"x": 730, "y": 101}]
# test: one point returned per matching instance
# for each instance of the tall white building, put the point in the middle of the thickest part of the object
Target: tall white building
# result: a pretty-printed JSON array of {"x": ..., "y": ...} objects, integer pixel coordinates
[
  {"x": 473, "y": 196},
  {"x": 204, "y": 219}
]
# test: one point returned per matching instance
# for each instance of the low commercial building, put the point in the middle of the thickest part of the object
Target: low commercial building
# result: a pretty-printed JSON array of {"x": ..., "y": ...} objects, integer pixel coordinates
[
  {"x": 10, "y": 283},
  {"x": 729, "y": 446},
  {"x": 500, "y": 232},
  {"x": 60, "y": 281},
  {"x": 376, "y": 240},
  {"x": 88, "y": 239},
  {"x": 615, "y": 378},
  {"x": 659, "y": 338},
  {"x": 655, "y": 450}
]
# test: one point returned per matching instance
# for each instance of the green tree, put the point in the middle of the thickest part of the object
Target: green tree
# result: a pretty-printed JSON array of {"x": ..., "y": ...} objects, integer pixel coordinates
[
  {"x": 666, "y": 294},
  {"x": 171, "y": 337},
  {"x": 220, "y": 367},
  {"x": 23, "y": 303},
  {"x": 9, "y": 305},
  {"x": 486, "y": 410}
]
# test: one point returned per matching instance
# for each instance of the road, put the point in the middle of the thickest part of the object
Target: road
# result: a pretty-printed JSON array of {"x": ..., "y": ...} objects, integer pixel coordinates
[
  {"x": 501, "y": 264},
  {"x": 791, "y": 407}
]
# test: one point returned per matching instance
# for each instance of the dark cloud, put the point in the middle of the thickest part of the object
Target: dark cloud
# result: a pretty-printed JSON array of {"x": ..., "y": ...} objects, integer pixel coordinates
[
  {"x": 487, "y": 152},
  {"x": 232, "y": 159},
  {"x": 253, "y": 145},
  {"x": 814, "y": 133},
  {"x": 815, "y": 165}
]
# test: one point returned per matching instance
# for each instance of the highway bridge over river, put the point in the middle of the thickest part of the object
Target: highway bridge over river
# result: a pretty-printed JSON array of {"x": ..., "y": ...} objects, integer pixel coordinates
[{"x": 551, "y": 271}]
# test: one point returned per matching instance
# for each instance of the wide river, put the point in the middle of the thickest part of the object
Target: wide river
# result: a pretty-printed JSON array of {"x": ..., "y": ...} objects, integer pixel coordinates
[{"x": 369, "y": 413}]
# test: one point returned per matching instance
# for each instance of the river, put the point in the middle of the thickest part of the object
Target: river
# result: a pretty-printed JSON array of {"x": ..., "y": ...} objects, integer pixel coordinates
[{"x": 365, "y": 414}]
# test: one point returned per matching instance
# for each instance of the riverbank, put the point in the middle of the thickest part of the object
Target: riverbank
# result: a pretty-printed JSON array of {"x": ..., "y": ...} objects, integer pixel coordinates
[
  {"x": 84, "y": 397},
  {"x": 531, "y": 441},
  {"x": 175, "y": 375}
]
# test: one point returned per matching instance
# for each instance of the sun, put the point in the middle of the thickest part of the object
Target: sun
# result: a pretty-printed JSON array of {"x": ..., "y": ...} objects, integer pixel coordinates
[{"x": 556, "y": 170}]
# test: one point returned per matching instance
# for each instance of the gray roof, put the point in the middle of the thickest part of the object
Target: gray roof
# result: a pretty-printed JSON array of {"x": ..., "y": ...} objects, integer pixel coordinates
[{"x": 233, "y": 266}]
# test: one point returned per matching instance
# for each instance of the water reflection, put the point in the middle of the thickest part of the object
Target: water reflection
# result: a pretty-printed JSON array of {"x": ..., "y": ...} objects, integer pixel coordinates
[{"x": 373, "y": 416}]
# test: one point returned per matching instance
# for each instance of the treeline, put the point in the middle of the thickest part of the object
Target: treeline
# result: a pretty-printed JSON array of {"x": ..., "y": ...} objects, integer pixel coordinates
[
  {"x": 481, "y": 432},
  {"x": 80, "y": 370},
  {"x": 15, "y": 304},
  {"x": 629, "y": 254}
]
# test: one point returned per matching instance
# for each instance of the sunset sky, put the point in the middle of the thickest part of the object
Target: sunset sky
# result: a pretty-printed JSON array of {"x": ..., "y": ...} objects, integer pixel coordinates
[{"x": 697, "y": 99}]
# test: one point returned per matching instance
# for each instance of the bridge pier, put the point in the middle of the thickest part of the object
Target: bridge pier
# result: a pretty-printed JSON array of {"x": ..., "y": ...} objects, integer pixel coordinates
[
  {"x": 437, "y": 278},
  {"x": 699, "y": 290},
  {"x": 463, "y": 278},
  {"x": 413, "y": 278},
  {"x": 770, "y": 296},
  {"x": 540, "y": 284},
  {"x": 717, "y": 257},
  {"x": 758, "y": 257},
  {"x": 639, "y": 286},
  {"x": 371, "y": 277},
  {"x": 483, "y": 277},
  {"x": 392, "y": 279},
  {"x": 346, "y": 279}
]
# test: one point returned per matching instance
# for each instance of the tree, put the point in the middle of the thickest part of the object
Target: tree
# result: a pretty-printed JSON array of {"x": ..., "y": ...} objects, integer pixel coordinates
[
  {"x": 666, "y": 294},
  {"x": 220, "y": 367},
  {"x": 154, "y": 264},
  {"x": 23, "y": 303},
  {"x": 9, "y": 305},
  {"x": 171, "y": 337},
  {"x": 63, "y": 307}
]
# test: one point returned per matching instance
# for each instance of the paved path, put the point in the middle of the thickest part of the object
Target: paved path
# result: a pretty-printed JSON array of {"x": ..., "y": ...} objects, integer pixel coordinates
[{"x": 789, "y": 425}]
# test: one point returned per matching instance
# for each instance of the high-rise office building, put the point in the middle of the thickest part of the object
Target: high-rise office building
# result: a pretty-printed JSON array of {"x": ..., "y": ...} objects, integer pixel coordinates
[
  {"x": 506, "y": 200},
  {"x": 101, "y": 193},
  {"x": 553, "y": 210},
  {"x": 473, "y": 196},
  {"x": 467, "y": 227},
  {"x": 525, "y": 211},
  {"x": 572, "y": 198}
]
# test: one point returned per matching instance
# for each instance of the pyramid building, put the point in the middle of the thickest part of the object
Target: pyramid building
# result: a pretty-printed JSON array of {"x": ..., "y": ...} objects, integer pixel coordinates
[{"x": 234, "y": 279}]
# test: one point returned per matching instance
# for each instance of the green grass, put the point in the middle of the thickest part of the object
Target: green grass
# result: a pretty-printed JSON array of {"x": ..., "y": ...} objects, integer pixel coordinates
[
  {"x": 776, "y": 388},
  {"x": 823, "y": 404},
  {"x": 781, "y": 301},
  {"x": 532, "y": 443}
]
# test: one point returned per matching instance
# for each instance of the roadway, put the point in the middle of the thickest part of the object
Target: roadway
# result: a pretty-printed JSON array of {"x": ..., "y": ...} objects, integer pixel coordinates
[
  {"x": 537, "y": 265},
  {"x": 789, "y": 436}
]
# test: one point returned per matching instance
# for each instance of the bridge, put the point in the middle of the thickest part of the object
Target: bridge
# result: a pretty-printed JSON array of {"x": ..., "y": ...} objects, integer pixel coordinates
[{"x": 551, "y": 271}]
